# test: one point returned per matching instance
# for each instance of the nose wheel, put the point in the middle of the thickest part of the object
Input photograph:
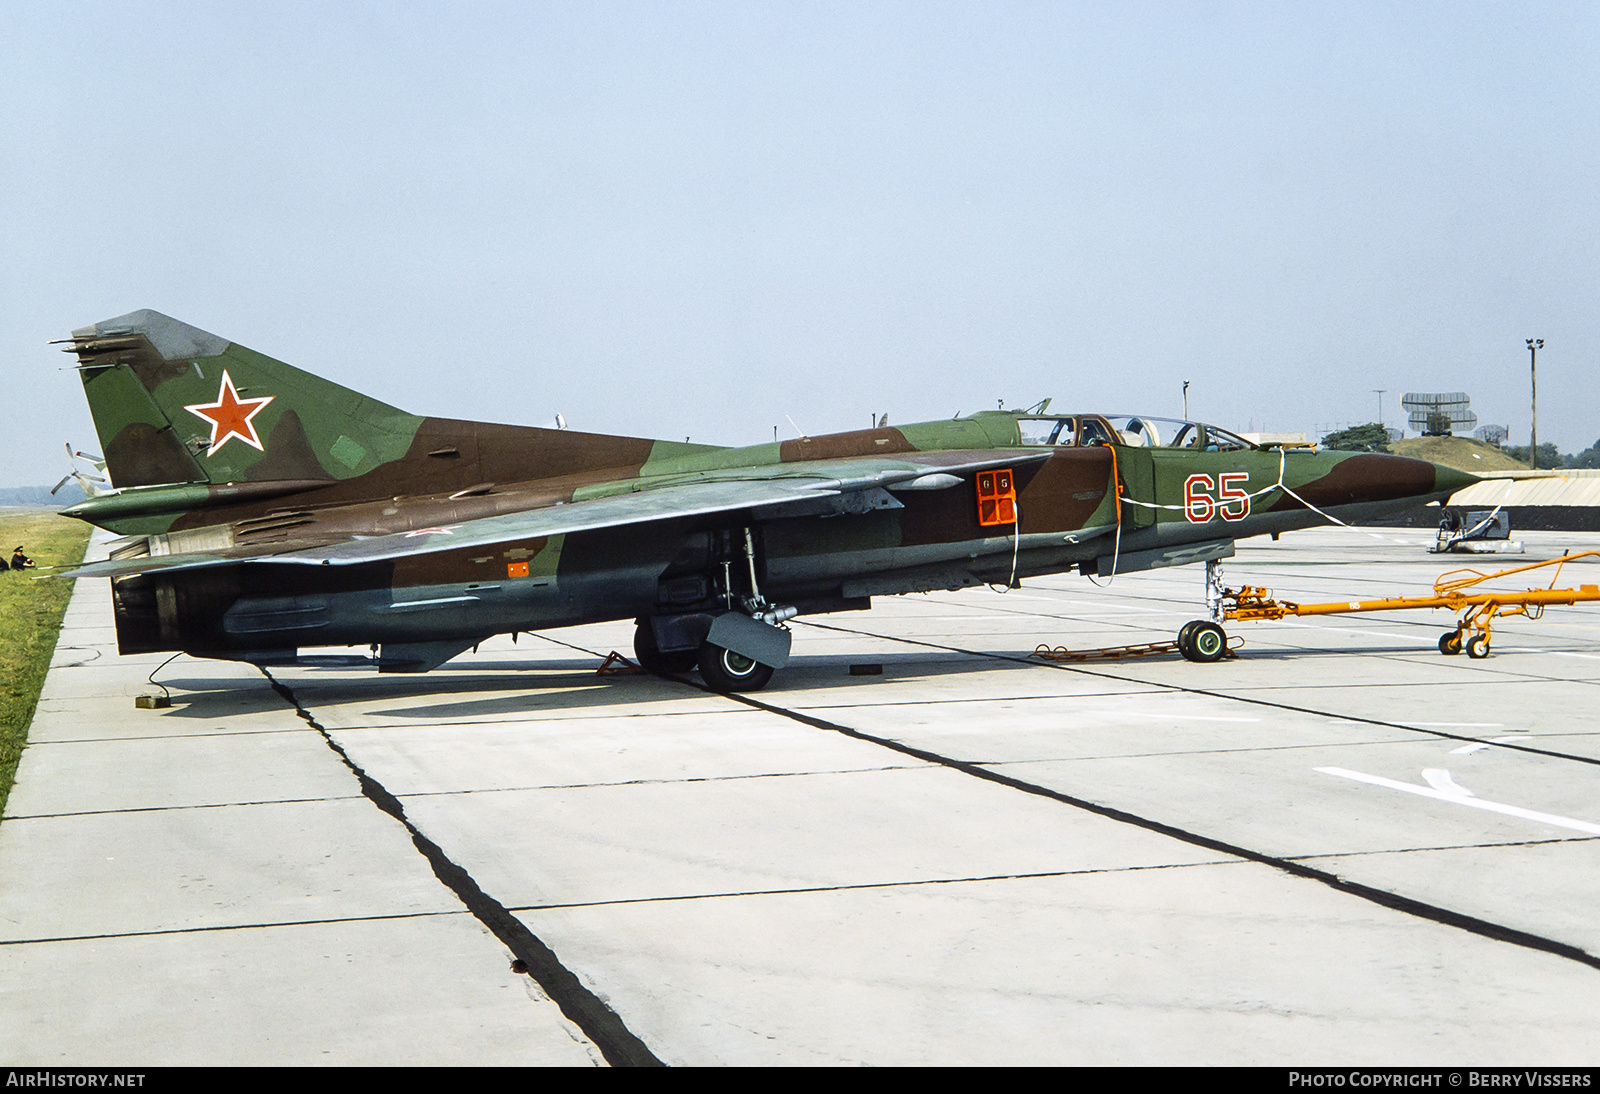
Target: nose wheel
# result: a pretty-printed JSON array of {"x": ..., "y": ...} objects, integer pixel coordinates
[{"x": 1202, "y": 641}]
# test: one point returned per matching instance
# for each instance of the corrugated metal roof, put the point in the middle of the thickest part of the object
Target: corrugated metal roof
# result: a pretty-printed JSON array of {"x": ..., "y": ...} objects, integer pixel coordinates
[{"x": 1580, "y": 486}]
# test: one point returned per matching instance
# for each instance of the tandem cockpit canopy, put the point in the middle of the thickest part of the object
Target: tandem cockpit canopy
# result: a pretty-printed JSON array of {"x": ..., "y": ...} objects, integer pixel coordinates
[{"x": 1132, "y": 430}]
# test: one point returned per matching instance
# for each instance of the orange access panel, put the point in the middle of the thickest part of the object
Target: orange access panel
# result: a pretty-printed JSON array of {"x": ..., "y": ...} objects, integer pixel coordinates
[
  {"x": 516, "y": 569},
  {"x": 997, "y": 497}
]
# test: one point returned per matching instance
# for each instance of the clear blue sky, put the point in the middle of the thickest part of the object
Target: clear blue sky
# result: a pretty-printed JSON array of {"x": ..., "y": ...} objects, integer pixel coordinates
[{"x": 697, "y": 219}]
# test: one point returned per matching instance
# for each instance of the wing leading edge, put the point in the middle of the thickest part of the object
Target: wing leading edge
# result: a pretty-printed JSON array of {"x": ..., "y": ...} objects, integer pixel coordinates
[{"x": 724, "y": 491}]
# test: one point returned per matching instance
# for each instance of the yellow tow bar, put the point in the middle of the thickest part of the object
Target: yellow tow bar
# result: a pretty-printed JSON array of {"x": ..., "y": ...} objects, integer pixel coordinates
[{"x": 1453, "y": 591}]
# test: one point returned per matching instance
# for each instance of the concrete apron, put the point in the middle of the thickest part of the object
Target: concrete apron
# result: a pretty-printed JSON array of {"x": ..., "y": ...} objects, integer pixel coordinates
[{"x": 207, "y": 884}]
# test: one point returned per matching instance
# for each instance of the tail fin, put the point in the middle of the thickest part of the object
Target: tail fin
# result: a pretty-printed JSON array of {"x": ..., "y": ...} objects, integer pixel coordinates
[{"x": 174, "y": 404}]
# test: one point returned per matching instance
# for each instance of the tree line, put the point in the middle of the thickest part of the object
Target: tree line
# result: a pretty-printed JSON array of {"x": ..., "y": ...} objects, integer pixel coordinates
[{"x": 1372, "y": 437}]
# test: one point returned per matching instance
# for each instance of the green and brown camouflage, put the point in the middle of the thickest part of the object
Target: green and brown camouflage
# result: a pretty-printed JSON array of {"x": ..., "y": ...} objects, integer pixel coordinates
[{"x": 269, "y": 510}]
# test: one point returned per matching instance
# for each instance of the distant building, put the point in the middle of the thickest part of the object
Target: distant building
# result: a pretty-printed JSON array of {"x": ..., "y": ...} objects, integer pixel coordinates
[
  {"x": 1287, "y": 440},
  {"x": 1566, "y": 500}
]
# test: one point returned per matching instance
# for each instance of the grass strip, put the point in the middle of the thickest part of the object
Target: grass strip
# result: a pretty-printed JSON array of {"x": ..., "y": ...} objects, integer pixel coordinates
[{"x": 30, "y": 620}]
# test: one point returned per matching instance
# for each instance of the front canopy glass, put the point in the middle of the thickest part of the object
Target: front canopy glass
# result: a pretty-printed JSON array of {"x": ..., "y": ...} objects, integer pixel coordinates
[{"x": 1132, "y": 430}]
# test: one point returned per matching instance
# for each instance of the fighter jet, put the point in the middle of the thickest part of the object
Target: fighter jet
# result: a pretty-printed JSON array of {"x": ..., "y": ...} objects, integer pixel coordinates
[{"x": 265, "y": 511}]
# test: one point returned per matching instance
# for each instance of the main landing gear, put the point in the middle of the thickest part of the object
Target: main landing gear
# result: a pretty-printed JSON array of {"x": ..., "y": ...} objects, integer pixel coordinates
[
  {"x": 725, "y": 671},
  {"x": 735, "y": 649},
  {"x": 656, "y": 662},
  {"x": 722, "y": 670}
]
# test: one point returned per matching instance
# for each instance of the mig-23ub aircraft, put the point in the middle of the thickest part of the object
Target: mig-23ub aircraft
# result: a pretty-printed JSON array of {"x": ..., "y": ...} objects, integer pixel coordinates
[{"x": 266, "y": 510}]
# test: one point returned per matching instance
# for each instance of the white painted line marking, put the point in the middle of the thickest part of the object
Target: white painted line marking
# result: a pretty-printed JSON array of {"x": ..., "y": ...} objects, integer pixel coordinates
[
  {"x": 1393, "y": 635},
  {"x": 1165, "y": 717},
  {"x": 1441, "y": 780},
  {"x": 1461, "y": 799},
  {"x": 1458, "y": 725},
  {"x": 1467, "y": 750}
]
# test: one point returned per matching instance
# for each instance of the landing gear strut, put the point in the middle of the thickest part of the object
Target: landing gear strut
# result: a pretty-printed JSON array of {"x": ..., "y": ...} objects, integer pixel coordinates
[
  {"x": 1204, "y": 640},
  {"x": 736, "y": 648}
]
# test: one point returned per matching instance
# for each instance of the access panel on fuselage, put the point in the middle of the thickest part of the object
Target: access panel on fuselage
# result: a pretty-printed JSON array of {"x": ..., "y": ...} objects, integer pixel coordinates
[
  {"x": 1066, "y": 492},
  {"x": 1136, "y": 468}
]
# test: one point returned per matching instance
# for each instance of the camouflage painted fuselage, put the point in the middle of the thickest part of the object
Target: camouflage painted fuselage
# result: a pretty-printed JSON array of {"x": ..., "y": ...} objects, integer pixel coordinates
[{"x": 234, "y": 470}]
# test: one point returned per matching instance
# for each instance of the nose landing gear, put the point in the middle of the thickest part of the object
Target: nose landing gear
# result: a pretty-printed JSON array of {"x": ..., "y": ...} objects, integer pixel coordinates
[{"x": 1202, "y": 641}]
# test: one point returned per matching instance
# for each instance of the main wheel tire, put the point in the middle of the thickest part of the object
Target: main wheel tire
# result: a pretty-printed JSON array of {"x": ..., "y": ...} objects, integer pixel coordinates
[
  {"x": 726, "y": 671},
  {"x": 1186, "y": 638},
  {"x": 1478, "y": 646},
  {"x": 1450, "y": 643},
  {"x": 653, "y": 660},
  {"x": 1209, "y": 642}
]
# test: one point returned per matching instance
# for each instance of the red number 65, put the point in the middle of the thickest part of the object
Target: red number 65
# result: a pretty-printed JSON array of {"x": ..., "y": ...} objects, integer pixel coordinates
[
  {"x": 1232, "y": 501},
  {"x": 1228, "y": 497},
  {"x": 1197, "y": 503}
]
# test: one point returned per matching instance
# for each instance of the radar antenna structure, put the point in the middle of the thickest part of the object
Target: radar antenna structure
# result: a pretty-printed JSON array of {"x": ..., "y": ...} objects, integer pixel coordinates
[{"x": 1439, "y": 414}]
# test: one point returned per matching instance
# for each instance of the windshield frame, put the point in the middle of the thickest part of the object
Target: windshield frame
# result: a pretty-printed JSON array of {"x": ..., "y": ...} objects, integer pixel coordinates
[{"x": 1131, "y": 431}]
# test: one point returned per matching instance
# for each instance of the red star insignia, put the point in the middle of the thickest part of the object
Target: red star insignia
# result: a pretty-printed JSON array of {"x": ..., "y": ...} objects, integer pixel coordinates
[{"x": 230, "y": 417}]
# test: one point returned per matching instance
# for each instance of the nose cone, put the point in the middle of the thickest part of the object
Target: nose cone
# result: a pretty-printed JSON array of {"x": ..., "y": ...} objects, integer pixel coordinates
[{"x": 1378, "y": 485}]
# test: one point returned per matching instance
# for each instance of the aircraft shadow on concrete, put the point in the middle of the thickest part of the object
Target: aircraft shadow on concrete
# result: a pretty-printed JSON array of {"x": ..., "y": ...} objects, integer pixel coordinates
[
  {"x": 542, "y": 686},
  {"x": 560, "y": 687},
  {"x": 200, "y": 698}
]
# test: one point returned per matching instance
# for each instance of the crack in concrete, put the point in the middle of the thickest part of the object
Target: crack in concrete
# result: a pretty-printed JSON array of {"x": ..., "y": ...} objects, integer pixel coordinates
[
  {"x": 583, "y": 1008},
  {"x": 664, "y": 782},
  {"x": 220, "y": 927},
  {"x": 911, "y": 884},
  {"x": 1352, "y": 718},
  {"x": 1444, "y": 847},
  {"x": 1393, "y": 901},
  {"x": 158, "y": 736},
  {"x": 179, "y": 808},
  {"x": 536, "y": 716},
  {"x": 469, "y": 790}
]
